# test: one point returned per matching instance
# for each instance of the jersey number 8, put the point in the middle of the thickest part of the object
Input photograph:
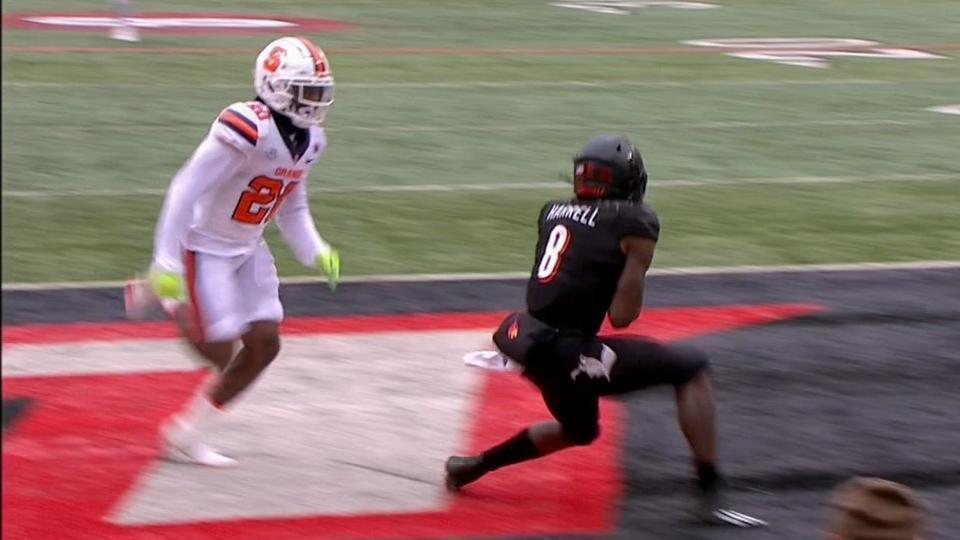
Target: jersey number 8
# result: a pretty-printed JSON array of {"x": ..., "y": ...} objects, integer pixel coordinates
[{"x": 557, "y": 244}]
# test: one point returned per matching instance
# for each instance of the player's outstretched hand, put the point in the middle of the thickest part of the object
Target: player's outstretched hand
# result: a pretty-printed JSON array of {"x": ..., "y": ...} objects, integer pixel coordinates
[{"x": 329, "y": 263}]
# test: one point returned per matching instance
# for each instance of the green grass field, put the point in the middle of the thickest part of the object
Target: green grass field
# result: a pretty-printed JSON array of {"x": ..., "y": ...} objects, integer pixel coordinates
[{"x": 90, "y": 140}]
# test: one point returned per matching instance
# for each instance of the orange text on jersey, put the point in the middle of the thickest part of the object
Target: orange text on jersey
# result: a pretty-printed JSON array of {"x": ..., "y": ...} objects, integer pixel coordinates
[{"x": 293, "y": 174}]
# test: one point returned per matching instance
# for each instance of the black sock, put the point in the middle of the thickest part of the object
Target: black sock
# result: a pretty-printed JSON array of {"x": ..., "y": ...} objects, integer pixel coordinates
[
  {"x": 518, "y": 448},
  {"x": 708, "y": 479}
]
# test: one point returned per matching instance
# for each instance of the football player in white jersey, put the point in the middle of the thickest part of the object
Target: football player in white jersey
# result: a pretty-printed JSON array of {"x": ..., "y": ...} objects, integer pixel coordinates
[{"x": 212, "y": 269}]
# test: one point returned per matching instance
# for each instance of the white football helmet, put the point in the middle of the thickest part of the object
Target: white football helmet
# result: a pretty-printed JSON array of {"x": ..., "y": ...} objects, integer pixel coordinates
[{"x": 293, "y": 77}]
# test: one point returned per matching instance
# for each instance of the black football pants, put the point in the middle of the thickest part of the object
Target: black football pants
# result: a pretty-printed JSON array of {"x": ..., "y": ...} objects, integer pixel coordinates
[{"x": 572, "y": 370}]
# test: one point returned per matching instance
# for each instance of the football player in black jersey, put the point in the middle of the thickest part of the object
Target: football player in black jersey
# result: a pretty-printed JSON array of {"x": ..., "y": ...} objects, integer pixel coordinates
[{"x": 591, "y": 261}]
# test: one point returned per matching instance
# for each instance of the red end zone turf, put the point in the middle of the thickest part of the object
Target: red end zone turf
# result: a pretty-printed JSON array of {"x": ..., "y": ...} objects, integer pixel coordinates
[{"x": 87, "y": 439}]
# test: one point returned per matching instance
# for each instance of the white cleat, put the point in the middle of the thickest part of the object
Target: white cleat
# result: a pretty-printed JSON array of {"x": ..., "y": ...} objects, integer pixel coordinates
[
  {"x": 124, "y": 32},
  {"x": 170, "y": 307},
  {"x": 138, "y": 300},
  {"x": 183, "y": 445},
  {"x": 141, "y": 303},
  {"x": 491, "y": 360}
]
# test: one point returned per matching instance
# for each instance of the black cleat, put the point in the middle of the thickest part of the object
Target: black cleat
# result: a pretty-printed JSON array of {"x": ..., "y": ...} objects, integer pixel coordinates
[
  {"x": 462, "y": 471},
  {"x": 712, "y": 511}
]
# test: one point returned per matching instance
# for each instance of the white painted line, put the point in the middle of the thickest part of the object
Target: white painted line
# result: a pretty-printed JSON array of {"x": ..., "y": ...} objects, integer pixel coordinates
[
  {"x": 791, "y": 180},
  {"x": 521, "y": 128},
  {"x": 417, "y": 278},
  {"x": 446, "y": 85},
  {"x": 624, "y": 7},
  {"x": 791, "y": 44},
  {"x": 504, "y": 186},
  {"x": 949, "y": 109},
  {"x": 830, "y": 267},
  {"x": 415, "y": 188}
]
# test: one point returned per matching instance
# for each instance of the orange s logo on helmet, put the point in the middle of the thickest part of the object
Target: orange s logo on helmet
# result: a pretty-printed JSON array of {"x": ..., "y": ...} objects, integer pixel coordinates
[{"x": 272, "y": 63}]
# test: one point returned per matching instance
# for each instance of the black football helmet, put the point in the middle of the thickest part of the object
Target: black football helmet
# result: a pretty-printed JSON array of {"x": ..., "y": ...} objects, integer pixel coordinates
[{"x": 609, "y": 167}]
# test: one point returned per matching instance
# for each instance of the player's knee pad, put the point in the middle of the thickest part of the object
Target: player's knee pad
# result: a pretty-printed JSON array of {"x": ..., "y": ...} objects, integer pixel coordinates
[
  {"x": 692, "y": 363},
  {"x": 581, "y": 433}
]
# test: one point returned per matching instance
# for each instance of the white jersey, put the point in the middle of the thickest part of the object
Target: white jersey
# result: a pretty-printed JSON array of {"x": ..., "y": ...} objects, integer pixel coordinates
[{"x": 241, "y": 177}]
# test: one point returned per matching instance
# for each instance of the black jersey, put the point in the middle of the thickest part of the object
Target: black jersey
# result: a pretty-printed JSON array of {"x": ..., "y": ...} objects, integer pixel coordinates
[{"x": 579, "y": 259}]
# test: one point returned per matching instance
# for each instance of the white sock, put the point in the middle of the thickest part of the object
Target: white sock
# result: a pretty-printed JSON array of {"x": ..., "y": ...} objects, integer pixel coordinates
[{"x": 201, "y": 413}]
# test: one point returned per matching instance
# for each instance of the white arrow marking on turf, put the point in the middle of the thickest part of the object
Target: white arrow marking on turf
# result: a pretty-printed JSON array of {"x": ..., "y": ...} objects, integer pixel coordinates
[{"x": 948, "y": 109}]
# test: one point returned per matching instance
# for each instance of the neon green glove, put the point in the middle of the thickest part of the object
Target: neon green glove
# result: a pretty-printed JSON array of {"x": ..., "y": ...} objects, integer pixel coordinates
[
  {"x": 166, "y": 285},
  {"x": 329, "y": 263}
]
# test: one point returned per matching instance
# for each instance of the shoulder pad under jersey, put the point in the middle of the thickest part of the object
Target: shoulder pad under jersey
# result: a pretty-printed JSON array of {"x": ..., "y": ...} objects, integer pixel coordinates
[
  {"x": 637, "y": 219},
  {"x": 239, "y": 125},
  {"x": 543, "y": 214},
  {"x": 318, "y": 144}
]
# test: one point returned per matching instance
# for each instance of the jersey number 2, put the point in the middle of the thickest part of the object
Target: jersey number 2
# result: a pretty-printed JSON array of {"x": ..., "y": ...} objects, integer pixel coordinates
[
  {"x": 557, "y": 244},
  {"x": 259, "y": 203}
]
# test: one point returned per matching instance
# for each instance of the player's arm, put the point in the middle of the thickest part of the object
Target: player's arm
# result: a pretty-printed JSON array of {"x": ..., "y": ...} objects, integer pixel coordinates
[
  {"x": 298, "y": 228},
  {"x": 213, "y": 162},
  {"x": 628, "y": 299},
  {"x": 300, "y": 233}
]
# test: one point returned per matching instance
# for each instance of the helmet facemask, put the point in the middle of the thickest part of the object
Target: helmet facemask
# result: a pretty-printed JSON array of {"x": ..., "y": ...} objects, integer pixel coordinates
[
  {"x": 638, "y": 177},
  {"x": 610, "y": 168},
  {"x": 306, "y": 101},
  {"x": 593, "y": 179}
]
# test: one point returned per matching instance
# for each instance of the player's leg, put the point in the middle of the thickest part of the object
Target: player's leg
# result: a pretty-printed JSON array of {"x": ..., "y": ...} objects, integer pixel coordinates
[
  {"x": 261, "y": 344},
  {"x": 247, "y": 306},
  {"x": 696, "y": 414},
  {"x": 210, "y": 320},
  {"x": 262, "y": 313},
  {"x": 212, "y": 323},
  {"x": 217, "y": 353},
  {"x": 141, "y": 303},
  {"x": 533, "y": 442},
  {"x": 640, "y": 364},
  {"x": 572, "y": 401}
]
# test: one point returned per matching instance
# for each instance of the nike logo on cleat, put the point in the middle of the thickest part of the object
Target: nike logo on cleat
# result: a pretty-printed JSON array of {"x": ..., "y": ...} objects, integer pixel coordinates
[{"x": 736, "y": 519}]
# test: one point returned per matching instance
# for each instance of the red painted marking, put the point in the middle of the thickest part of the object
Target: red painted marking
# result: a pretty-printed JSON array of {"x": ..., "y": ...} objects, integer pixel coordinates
[
  {"x": 83, "y": 443},
  {"x": 421, "y": 51},
  {"x": 88, "y": 438},
  {"x": 667, "y": 324},
  {"x": 302, "y": 24}
]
